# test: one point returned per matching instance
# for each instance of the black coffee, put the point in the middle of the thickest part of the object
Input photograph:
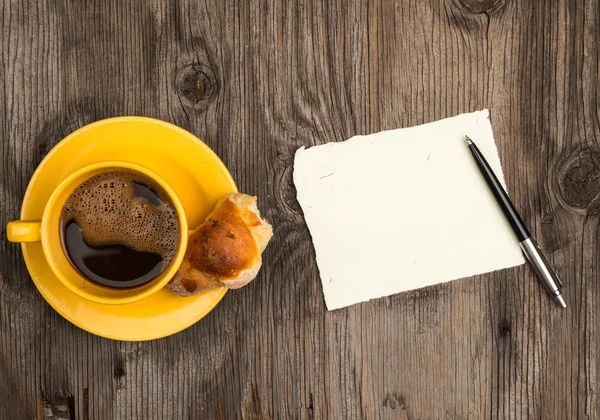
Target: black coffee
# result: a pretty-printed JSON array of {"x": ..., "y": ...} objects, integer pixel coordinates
[{"x": 119, "y": 229}]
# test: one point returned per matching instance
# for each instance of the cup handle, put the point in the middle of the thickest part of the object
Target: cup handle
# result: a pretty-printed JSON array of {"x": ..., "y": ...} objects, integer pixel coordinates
[{"x": 24, "y": 231}]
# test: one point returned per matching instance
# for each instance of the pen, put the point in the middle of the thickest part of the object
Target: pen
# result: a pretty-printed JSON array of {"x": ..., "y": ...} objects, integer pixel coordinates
[{"x": 530, "y": 248}]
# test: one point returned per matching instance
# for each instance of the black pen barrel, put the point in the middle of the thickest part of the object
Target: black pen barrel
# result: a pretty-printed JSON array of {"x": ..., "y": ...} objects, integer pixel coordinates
[{"x": 500, "y": 194}]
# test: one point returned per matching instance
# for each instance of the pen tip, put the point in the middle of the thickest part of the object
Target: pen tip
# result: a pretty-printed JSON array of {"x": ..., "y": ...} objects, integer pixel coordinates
[
  {"x": 468, "y": 140},
  {"x": 561, "y": 301}
]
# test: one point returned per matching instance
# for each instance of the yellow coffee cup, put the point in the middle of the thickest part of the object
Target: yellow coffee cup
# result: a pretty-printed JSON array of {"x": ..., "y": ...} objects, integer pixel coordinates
[{"x": 47, "y": 231}]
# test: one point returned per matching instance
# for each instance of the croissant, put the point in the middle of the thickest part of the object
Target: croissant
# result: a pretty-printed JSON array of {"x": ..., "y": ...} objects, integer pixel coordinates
[{"x": 226, "y": 249}]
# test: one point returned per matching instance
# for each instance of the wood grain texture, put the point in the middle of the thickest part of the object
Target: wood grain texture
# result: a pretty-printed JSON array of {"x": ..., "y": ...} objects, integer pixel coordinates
[{"x": 257, "y": 79}]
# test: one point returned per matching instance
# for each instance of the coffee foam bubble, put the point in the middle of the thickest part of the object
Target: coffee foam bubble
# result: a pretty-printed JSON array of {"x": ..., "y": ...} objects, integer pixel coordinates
[{"x": 108, "y": 211}]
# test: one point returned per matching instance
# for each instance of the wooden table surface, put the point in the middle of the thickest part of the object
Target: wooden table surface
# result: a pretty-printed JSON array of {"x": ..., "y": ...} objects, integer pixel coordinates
[{"x": 256, "y": 80}]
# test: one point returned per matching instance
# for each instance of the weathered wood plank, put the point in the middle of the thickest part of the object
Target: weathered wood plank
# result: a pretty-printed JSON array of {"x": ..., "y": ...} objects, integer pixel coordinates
[{"x": 256, "y": 80}]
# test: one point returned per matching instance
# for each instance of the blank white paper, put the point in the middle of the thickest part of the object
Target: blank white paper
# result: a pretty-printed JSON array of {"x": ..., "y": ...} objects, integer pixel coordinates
[{"x": 403, "y": 209}]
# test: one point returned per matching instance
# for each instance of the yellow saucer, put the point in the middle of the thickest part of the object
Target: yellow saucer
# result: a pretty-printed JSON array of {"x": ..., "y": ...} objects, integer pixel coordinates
[{"x": 193, "y": 170}]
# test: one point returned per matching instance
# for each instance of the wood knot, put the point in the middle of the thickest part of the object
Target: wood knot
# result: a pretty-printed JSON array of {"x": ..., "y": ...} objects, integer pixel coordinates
[
  {"x": 482, "y": 6},
  {"x": 119, "y": 372},
  {"x": 505, "y": 328},
  {"x": 286, "y": 194},
  {"x": 394, "y": 400},
  {"x": 579, "y": 182},
  {"x": 196, "y": 85},
  {"x": 44, "y": 146}
]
